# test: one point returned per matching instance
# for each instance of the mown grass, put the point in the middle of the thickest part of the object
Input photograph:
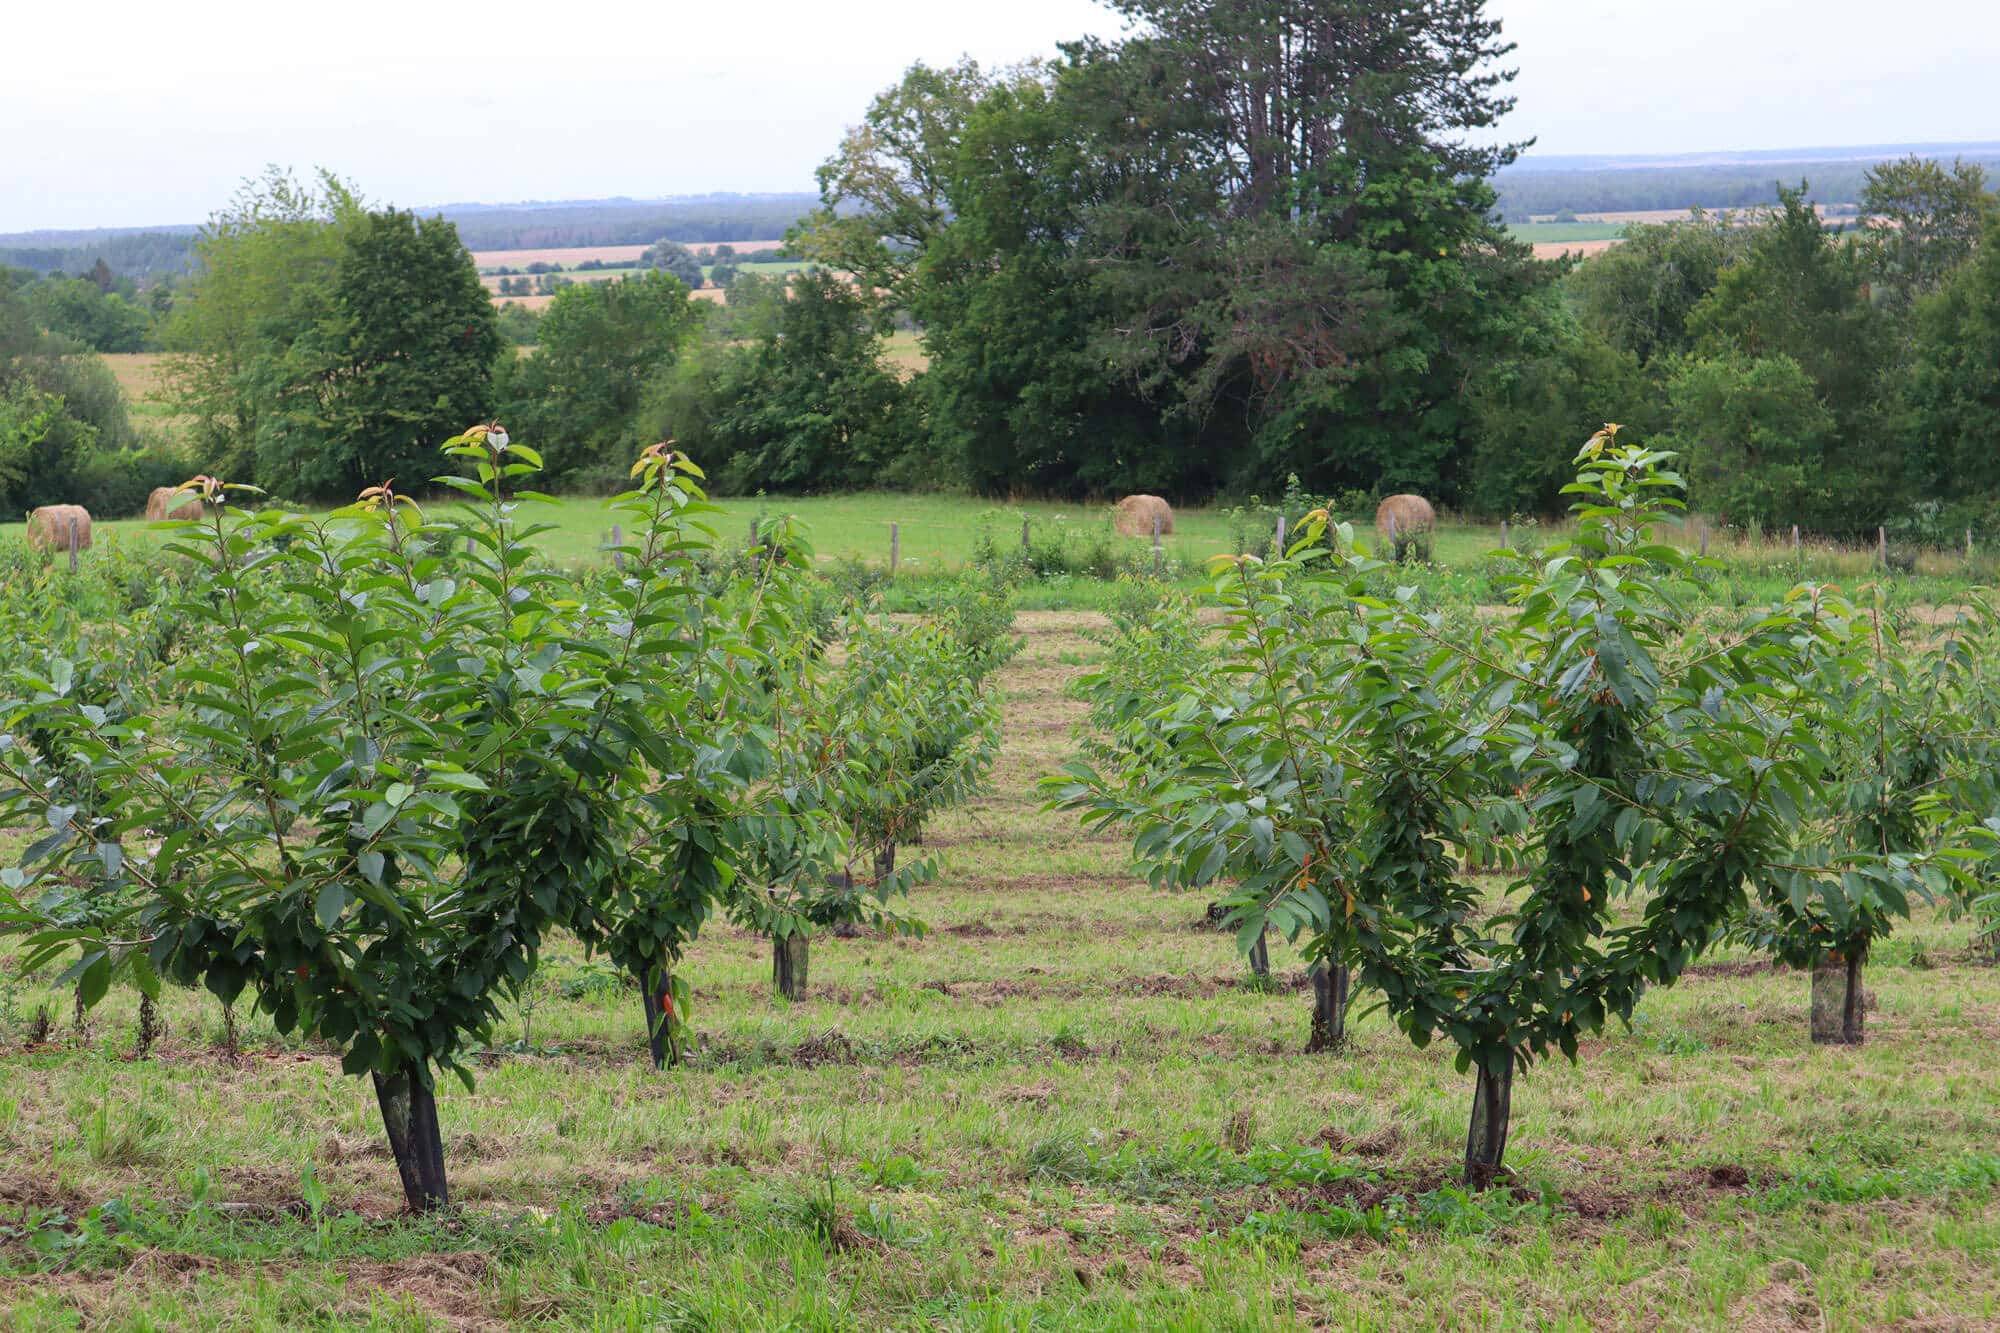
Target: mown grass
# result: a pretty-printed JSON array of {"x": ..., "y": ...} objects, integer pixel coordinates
[
  {"x": 935, "y": 533},
  {"x": 1061, "y": 1107}
]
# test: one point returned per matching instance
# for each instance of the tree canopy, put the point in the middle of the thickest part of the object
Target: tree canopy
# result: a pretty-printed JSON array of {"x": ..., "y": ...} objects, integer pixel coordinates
[{"x": 327, "y": 346}]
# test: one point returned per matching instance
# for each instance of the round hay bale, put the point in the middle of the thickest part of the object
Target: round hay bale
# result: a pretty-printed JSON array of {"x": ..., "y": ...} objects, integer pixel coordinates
[
  {"x": 1405, "y": 522},
  {"x": 160, "y": 505},
  {"x": 49, "y": 527},
  {"x": 1137, "y": 512},
  {"x": 1401, "y": 515}
]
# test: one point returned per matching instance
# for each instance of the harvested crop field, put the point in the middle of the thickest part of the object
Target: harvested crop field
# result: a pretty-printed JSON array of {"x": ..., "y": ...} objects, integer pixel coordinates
[
  {"x": 1573, "y": 249},
  {"x": 140, "y": 375},
  {"x": 569, "y": 257},
  {"x": 1063, "y": 1106},
  {"x": 542, "y": 302}
]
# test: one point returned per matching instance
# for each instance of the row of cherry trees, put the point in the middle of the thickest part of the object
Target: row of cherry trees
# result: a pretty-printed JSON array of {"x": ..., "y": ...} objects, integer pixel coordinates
[
  {"x": 1653, "y": 777},
  {"x": 381, "y": 759}
]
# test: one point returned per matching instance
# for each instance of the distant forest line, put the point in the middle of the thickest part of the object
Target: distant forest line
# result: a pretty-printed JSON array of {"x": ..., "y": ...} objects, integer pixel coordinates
[
  {"x": 1530, "y": 188},
  {"x": 709, "y": 220},
  {"x": 1527, "y": 191}
]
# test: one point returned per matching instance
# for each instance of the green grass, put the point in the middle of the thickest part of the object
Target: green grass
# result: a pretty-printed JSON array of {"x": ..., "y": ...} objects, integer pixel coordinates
[
  {"x": 904, "y": 349},
  {"x": 936, "y": 532},
  {"x": 1056, "y": 1109}
]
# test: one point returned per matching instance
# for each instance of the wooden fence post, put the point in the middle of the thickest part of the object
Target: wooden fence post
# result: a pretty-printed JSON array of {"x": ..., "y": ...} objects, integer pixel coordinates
[
  {"x": 1704, "y": 539},
  {"x": 1882, "y": 546},
  {"x": 1503, "y": 534},
  {"x": 1795, "y": 541},
  {"x": 895, "y": 546},
  {"x": 1024, "y": 535},
  {"x": 618, "y": 541},
  {"x": 1159, "y": 557},
  {"x": 1281, "y": 534},
  {"x": 1968, "y": 546},
  {"x": 72, "y": 545}
]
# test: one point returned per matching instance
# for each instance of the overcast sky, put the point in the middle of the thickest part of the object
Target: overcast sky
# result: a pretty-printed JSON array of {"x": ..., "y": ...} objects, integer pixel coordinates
[{"x": 127, "y": 113}]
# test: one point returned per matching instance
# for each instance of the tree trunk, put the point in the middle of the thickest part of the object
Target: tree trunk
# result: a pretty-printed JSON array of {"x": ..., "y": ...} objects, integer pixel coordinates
[
  {"x": 409, "y": 1114},
  {"x": 1486, "y": 1138},
  {"x": 149, "y": 1025},
  {"x": 885, "y": 861},
  {"x": 1260, "y": 956},
  {"x": 844, "y": 881},
  {"x": 653, "y": 994},
  {"x": 1329, "y": 1015},
  {"x": 1837, "y": 999},
  {"x": 789, "y": 963}
]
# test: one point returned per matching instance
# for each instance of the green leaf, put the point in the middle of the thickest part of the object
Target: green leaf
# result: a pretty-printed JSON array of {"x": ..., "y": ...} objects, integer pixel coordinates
[
  {"x": 332, "y": 901},
  {"x": 95, "y": 981}
]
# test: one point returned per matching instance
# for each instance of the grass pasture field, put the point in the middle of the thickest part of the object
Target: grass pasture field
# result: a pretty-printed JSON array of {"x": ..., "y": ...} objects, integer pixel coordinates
[
  {"x": 1546, "y": 232},
  {"x": 936, "y": 535},
  {"x": 1572, "y": 249},
  {"x": 1061, "y": 1107},
  {"x": 1557, "y": 240},
  {"x": 142, "y": 378}
]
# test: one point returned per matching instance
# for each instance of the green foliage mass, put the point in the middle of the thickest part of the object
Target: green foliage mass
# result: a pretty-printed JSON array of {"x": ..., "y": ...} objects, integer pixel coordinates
[
  {"x": 798, "y": 399},
  {"x": 65, "y": 436},
  {"x": 328, "y": 347},
  {"x": 598, "y": 346},
  {"x": 1340, "y": 756},
  {"x": 676, "y": 259}
]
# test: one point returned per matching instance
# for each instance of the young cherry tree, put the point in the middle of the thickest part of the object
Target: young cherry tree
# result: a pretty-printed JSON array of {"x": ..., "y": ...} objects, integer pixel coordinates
[
  {"x": 1188, "y": 752},
  {"x": 1371, "y": 750},
  {"x": 682, "y": 680},
  {"x": 1909, "y": 739},
  {"x": 378, "y": 791},
  {"x": 902, "y": 728}
]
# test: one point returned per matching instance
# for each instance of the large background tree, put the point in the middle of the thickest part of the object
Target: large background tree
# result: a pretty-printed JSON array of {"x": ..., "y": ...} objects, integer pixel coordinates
[
  {"x": 323, "y": 346},
  {"x": 597, "y": 346},
  {"x": 266, "y": 269},
  {"x": 1953, "y": 391},
  {"x": 1638, "y": 294},
  {"x": 1800, "y": 293},
  {"x": 1923, "y": 221},
  {"x": 1296, "y": 234},
  {"x": 402, "y": 354},
  {"x": 675, "y": 258},
  {"x": 1248, "y": 240},
  {"x": 792, "y": 393}
]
